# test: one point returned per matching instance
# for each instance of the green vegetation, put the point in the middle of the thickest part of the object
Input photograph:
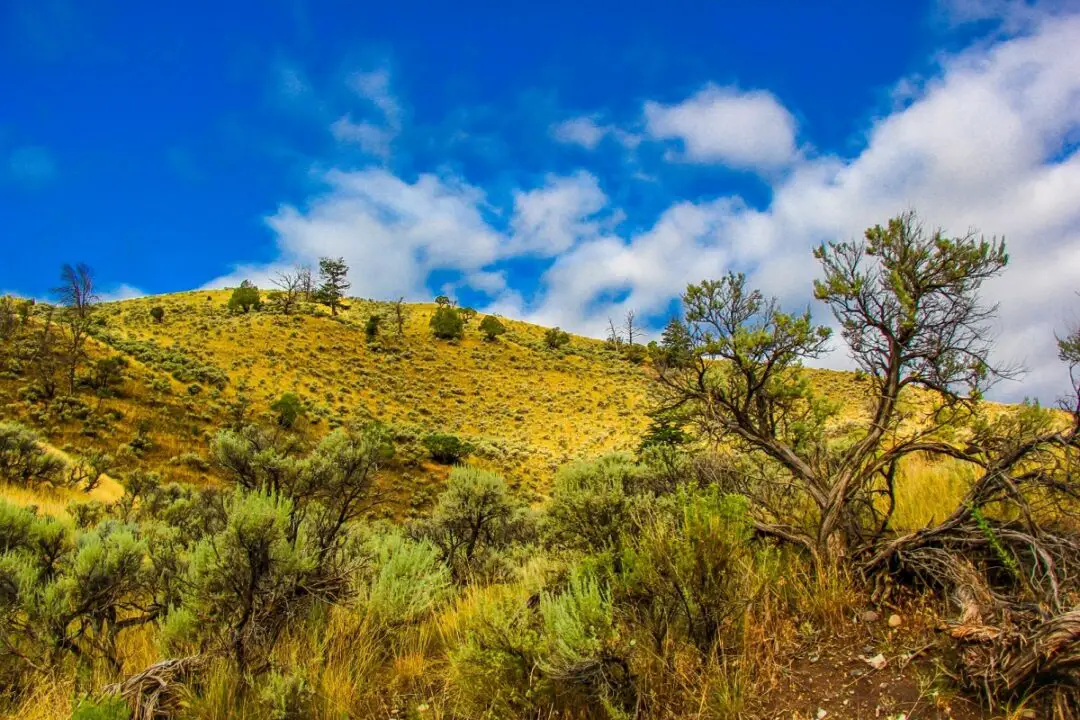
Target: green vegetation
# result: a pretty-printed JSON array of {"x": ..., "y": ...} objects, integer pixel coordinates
[
  {"x": 492, "y": 328},
  {"x": 245, "y": 298},
  {"x": 556, "y": 338},
  {"x": 253, "y": 565},
  {"x": 447, "y": 323}
]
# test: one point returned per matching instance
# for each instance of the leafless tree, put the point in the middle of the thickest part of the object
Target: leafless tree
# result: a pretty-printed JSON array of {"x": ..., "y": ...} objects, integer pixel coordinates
[
  {"x": 632, "y": 330},
  {"x": 76, "y": 294},
  {"x": 614, "y": 338},
  {"x": 306, "y": 283},
  {"x": 291, "y": 285},
  {"x": 400, "y": 313}
]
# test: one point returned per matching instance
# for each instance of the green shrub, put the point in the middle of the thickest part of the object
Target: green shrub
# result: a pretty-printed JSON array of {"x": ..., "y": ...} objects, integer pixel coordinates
[
  {"x": 447, "y": 323},
  {"x": 408, "y": 580},
  {"x": 289, "y": 409},
  {"x": 447, "y": 449},
  {"x": 244, "y": 298},
  {"x": 555, "y": 338},
  {"x": 23, "y": 460},
  {"x": 591, "y": 504},
  {"x": 157, "y": 313},
  {"x": 493, "y": 665},
  {"x": 691, "y": 571},
  {"x": 474, "y": 519},
  {"x": 492, "y": 327},
  {"x": 286, "y": 696}
]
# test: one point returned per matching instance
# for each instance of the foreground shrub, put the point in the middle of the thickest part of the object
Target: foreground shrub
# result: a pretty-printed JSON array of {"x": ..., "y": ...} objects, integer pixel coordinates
[
  {"x": 109, "y": 708},
  {"x": 245, "y": 580},
  {"x": 407, "y": 580},
  {"x": 689, "y": 572},
  {"x": 23, "y": 460},
  {"x": 473, "y": 520},
  {"x": 591, "y": 503}
]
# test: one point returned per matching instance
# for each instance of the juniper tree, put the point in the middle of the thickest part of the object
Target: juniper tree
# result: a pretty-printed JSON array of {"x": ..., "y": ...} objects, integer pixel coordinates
[
  {"x": 332, "y": 274},
  {"x": 907, "y": 301}
]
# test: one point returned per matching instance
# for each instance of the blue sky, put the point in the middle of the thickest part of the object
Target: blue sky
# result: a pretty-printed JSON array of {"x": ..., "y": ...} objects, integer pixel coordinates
[{"x": 536, "y": 159}]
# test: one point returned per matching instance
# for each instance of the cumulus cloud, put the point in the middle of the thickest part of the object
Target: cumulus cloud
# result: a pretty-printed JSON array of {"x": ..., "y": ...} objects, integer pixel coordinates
[
  {"x": 987, "y": 140},
  {"x": 989, "y": 143},
  {"x": 746, "y": 130},
  {"x": 123, "y": 291}
]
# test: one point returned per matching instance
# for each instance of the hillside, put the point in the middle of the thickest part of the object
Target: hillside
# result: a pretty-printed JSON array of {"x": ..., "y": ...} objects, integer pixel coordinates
[{"x": 527, "y": 409}]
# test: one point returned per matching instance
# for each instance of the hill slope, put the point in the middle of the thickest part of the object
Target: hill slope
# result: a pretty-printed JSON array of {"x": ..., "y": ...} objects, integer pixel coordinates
[{"x": 525, "y": 407}]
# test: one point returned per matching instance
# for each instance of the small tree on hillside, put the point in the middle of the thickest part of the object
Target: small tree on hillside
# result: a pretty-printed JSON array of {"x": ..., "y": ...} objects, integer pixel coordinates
[
  {"x": 447, "y": 324},
  {"x": 400, "y": 313},
  {"x": 444, "y": 301},
  {"x": 371, "y": 327},
  {"x": 555, "y": 338},
  {"x": 290, "y": 283},
  {"x": 467, "y": 314},
  {"x": 245, "y": 297},
  {"x": 492, "y": 327},
  {"x": 332, "y": 273},
  {"x": 76, "y": 294},
  {"x": 157, "y": 313},
  {"x": 630, "y": 326}
]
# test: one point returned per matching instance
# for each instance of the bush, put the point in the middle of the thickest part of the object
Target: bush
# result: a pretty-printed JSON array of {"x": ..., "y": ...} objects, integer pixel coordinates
[
  {"x": 242, "y": 579},
  {"x": 289, "y": 409},
  {"x": 492, "y": 327},
  {"x": 158, "y": 313},
  {"x": 474, "y": 518},
  {"x": 691, "y": 571},
  {"x": 22, "y": 459},
  {"x": 244, "y": 298},
  {"x": 447, "y": 323},
  {"x": 286, "y": 696},
  {"x": 371, "y": 328},
  {"x": 591, "y": 504},
  {"x": 447, "y": 449},
  {"x": 555, "y": 338},
  {"x": 408, "y": 580},
  {"x": 493, "y": 665}
]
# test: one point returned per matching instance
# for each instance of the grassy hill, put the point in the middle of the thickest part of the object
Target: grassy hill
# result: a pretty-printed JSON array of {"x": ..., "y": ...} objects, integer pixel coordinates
[{"x": 526, "y": 408}]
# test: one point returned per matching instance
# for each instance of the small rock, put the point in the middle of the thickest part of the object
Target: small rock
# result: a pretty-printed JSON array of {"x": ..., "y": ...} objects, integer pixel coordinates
[
  {"x": 895, "y": 621},
  {"x": 857, "y": 672},
  {"x": 821, "y": 713},
  {"x": 870, "y": 616},
  {"x": 878, "y": 662},
  {"x": 1029, "y": 713}
]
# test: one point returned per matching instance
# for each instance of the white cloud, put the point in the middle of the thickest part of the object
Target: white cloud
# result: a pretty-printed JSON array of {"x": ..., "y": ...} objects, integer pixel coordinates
[
  {"x": 988, "y": 139},
  {"x": 551, "y": 219},
  {"x": 582, "y": 131},
  {"x": 746, "y": 130},
  {"x": 123, "y": 291},
  {"x": 373, "y": 137},
  {"x": 587, "y": 133},
  {"x": 989, "y": 143},
  {"x": 392, "y": 233}
]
